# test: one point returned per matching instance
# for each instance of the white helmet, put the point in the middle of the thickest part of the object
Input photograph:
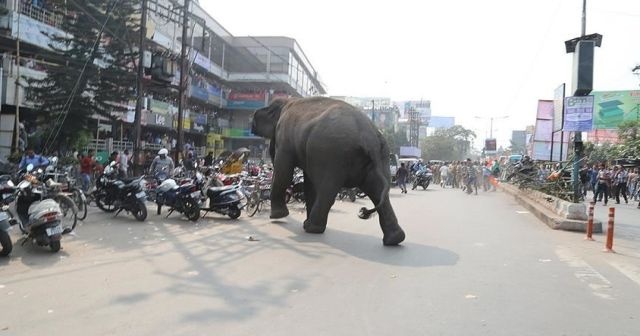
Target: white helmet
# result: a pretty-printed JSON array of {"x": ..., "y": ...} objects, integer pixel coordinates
[{"x": 163, "y": 151}]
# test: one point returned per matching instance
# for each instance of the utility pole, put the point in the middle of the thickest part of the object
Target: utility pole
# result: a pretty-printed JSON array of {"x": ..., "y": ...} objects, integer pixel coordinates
[
  {"x": 17, "y": 93},
  {"x": 577, "y": 139},
  {"x": 373, "y": 111},
  {"x": 184, "y": 74},
  {"x": 140, "y": 87}
]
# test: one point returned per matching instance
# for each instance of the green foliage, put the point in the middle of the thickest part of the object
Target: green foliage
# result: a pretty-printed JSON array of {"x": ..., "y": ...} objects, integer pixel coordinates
[
  {"x": 105, "y": 84},
  {"x": 600, "y": 153},
  {"x": 449, "y": 144},
  {"x": 395, "y": 139},
  {"x": 629, "y": 134}
]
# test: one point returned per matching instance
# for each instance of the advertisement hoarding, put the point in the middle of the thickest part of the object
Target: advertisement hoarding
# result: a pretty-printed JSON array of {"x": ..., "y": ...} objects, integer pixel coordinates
[
  {"x": 558, "y": 108},
  {"x": 490, "y": 145},
  {"x": 611, "y": 108}
]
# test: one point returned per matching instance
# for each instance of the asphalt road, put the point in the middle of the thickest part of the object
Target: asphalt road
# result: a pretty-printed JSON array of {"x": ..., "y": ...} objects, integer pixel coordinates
[{"x": 471, "y": 265}]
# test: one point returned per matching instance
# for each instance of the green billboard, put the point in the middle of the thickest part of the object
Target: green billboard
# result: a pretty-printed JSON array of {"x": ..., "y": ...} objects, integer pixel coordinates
[{"x": 611, "y": 108}]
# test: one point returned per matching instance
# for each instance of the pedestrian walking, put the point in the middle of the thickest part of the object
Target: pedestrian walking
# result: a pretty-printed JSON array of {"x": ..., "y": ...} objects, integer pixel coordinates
[
  {"x": 620, "y": 179},
  {"x": 444, "y": 176},
  {"x": 401, "y": 176},
  {"x": 86, "y": 170}
]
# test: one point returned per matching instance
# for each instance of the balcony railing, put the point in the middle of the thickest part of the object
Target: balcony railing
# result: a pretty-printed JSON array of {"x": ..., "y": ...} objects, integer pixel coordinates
[{"x": 40, "y": 14}]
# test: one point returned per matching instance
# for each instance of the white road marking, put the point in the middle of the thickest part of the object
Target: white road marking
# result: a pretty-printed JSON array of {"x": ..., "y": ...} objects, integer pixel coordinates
[
  {"x": 599, "y": 285},
  {"x": 630, "y": 271}
]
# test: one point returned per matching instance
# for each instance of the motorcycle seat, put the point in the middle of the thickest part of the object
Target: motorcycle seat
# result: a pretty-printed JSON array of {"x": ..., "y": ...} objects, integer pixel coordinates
[{"x": 215, "y": 191}]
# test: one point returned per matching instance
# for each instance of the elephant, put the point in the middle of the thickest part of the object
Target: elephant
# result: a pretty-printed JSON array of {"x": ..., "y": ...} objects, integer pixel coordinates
[{"x": 336, "y": 146}]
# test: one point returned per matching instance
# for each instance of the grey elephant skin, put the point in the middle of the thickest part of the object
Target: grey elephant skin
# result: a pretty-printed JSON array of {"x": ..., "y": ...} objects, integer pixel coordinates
[{"x": 336, "y": 146}]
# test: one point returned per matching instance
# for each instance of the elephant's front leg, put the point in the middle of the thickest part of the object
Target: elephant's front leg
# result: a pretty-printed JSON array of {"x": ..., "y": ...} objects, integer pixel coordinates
[{"x": 282, "y": 178}]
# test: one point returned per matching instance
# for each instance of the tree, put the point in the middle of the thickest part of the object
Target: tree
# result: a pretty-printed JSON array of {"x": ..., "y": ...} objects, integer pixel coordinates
[
  {"x": 94, "y": 68},
  {"x": 449, "y": 144},
  {"x": 395, "y": 139},
  {"x": 629, "y": 135}
]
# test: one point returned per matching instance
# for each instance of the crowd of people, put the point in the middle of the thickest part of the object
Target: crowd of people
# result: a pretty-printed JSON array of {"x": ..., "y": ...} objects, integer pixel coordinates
[
  {"x": 467, "y": 175},
  {"x": 610, "y": 182}
]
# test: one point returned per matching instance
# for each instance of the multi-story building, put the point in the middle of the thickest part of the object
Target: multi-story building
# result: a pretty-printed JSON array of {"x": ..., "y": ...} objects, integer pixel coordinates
[{"x": 230, "y": 77}]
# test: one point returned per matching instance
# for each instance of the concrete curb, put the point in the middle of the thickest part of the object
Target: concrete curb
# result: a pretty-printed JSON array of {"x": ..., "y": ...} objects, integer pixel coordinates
[{"x": 552, "y": 219}]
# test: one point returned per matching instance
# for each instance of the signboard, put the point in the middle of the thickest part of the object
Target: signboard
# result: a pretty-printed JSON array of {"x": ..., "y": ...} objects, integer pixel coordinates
[
  {"x": 490, "y": 145},
  {"x": 558, "y": 108},
  {"x": 611, "y": 108},
  {"x": 246, "y": 100},
  {"x": 161, "y": 107},
  {"x": 578, "y": 114}
]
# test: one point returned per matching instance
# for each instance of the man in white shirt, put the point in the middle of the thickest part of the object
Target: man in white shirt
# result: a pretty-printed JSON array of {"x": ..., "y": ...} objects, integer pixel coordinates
[
  {"x": 124, "y": 163},
  {"x": 444, "y": 175}
]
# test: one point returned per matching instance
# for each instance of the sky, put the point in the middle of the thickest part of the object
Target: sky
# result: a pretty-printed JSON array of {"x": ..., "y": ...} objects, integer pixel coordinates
[{"x": 473, "y": 59}]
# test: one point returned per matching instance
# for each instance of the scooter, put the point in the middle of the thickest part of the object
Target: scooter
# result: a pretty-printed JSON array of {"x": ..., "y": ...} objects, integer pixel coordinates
[
  {"x": 40, "y": 218},
  {"x": 7, "y": 195},
  {"x": 225, "y": 200}
]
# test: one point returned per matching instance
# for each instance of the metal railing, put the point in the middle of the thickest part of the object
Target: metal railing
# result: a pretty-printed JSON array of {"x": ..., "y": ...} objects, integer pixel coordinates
[{"x": 40, "y": 14}]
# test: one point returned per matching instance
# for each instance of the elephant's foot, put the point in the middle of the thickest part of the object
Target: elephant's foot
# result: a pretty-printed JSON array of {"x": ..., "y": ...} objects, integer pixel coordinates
[
  {"x": 313, "y": 228},
  {"x": 277, "y": 213},
  {"x": 393, "y": 238}
]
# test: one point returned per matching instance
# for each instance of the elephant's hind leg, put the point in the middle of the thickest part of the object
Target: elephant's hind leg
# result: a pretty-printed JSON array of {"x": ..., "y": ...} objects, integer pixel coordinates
[
  {"x": 325, "y": 196},
  {"x": 374, "y": 186}
]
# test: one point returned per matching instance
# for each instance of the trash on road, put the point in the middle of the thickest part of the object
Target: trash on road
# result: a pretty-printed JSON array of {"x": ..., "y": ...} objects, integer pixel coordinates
[{"x": 252, "y": 238}]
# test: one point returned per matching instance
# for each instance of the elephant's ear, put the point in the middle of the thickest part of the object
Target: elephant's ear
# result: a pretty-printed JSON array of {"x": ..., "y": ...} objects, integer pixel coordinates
[{"x": 275, "y": 109}]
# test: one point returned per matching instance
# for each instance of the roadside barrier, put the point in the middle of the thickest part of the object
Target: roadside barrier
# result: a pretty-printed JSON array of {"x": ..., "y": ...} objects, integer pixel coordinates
[
  {"x": 609, "y": 244},
  {"x": 590, "y": 222}
]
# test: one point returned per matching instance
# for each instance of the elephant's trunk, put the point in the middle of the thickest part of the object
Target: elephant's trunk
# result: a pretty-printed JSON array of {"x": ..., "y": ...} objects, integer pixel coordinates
[{"x": 366, "y": 213}]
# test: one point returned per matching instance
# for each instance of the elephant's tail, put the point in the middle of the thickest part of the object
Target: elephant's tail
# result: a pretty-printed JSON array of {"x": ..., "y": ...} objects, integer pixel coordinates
[{"x": 366, "y": 213}]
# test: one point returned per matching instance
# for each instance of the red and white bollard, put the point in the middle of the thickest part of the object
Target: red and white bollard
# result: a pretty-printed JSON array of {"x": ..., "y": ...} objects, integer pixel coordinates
[
  {"x": 609, "y": 244},
  {"x": 590, "y": 222}
]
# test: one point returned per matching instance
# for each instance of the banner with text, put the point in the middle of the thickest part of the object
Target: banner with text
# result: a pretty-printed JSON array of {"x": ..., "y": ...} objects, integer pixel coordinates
[{"x": 578, "y": 114}]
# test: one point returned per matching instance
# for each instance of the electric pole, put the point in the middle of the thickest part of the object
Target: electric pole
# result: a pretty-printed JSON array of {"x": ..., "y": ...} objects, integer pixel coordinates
[
  {"x": 184, "y": 75},
  {"x": 140, "y": 88}
]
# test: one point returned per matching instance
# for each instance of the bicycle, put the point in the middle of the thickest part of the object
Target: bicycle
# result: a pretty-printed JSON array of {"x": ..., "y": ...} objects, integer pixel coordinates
[{"x": 260, "y": 195}]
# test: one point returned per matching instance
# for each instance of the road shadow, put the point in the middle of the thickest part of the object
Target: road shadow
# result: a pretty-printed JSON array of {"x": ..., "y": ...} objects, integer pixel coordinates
[{"x": 370, "y": 248}]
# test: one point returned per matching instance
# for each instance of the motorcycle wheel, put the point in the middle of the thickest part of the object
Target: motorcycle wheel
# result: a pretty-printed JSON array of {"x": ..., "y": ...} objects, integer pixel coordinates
[
  {"x": 69, "y": 213},
  {"x": 252, "y": 204},
  {"x": 159, "y": 211},
  {"x": 76, "y": 195},
  {"x": 100, "y": 202},
  {"x": 287, "y": 197},
  {"x": 352, "y": 196},
  {"x": 425, "y": 186},
  {"x": 415, "y": 185},
  {"x": 5, "y": 242},
  {"x": 55, "y": 246},
  {"x": 234, "y": 213},
  {"x": 140, "y": 212},
  {"x": 191, "y": 210}
]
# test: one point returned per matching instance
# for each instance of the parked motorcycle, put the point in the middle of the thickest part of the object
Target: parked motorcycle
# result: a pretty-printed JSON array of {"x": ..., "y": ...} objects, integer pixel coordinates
[
  {"x": 7, "y": 195},
  {"x": 296, "y": 190},
  {"x": 423, "y": 179},
  {"x": 40, "y": 217},
  {"x": 113, "y": 194},
  {"x": 347, "y": 193},
  {"x": 184, "y": 198}
]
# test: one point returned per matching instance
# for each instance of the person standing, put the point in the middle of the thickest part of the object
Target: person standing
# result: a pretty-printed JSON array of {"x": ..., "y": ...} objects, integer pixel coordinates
[
  {"x": 86, "y": 169},
  {"x": 620, "y": 181},
  {"x": 633, "y": 184},
  {"x": 401, "y": 176},
  {"x": 124, "y": 163},
  {"x": 604, "y": 181}
]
